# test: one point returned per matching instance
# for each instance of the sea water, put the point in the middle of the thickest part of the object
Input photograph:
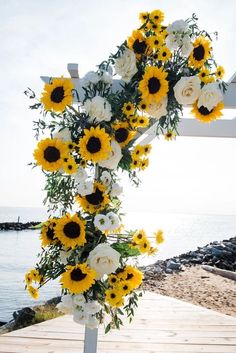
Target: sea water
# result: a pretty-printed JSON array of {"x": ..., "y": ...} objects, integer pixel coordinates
[{"x": 18, "y": 250}]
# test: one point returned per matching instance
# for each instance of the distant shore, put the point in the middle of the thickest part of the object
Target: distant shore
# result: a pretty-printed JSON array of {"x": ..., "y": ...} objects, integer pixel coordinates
[{"x": 17, "y": 225}]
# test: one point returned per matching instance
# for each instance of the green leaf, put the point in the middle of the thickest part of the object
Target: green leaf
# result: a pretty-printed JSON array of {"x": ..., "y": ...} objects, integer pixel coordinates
[
  {"x": 108, "y": 328},
  {"x": 125, "y": 250}
]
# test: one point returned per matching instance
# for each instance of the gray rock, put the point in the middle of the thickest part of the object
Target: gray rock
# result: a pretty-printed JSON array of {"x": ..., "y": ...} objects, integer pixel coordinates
[{"x": 172, "y": 265}]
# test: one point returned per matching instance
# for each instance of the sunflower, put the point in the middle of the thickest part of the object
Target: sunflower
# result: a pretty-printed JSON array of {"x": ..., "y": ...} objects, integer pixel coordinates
[
  {"x": 50, "y": 153},
  {"x": 47, "y": 235},
  {"x": 33, "y": 292},
  {"x": 69, "y": 165},
  {"x": 220, "y": 71},
  {"x": 200, "y": 53},
  {"x": 78, "y": 279},
  {"x": 114, "y": 297},
  {"x": 70, "y": 231},
  {"x": 142, "y": 121},
  {"x": 147, "y": 149},
  {"x": 113, "y": 280},
  {"x": 133, "y": 121},
  {"x": 139, "y": 236},
  {"x": 128, "y": 109},
  {"x": 137, "y": 43},
  {"x": 152, "y": 251},
  {"x": 143, "y": 16},
  {"x": 157, "y": 16},
  {"x": 164, "y": 54},
  {"x": 204, "y": 115},
  {"x": 143, "y": 105},
  {"x": 204, "y": 75},
  {"x": 138, "y": 151},
  {"x": 96, "y": 201},
  {"x": 131, "y": 274},
  {"x": 125, "y": 287},
  {"x": 144, "y": 246},
  {"x": 144, "y": 163},
  {"x": 169, "y": 135},
  {"x": 136, "y": 162},
  {"x": 159, "y": 236},
  {"x": 95, "y": 145},
  {"x": 58, "y": 94},
  {"x": 154, "y": 85},
  {"x": 34, "y": 275},
  {"x": 123, "y": 135},
  {"x": 155, "y": 41},
  {"x": 154, "y": 27},
  {"x": 71, "y": 145}
]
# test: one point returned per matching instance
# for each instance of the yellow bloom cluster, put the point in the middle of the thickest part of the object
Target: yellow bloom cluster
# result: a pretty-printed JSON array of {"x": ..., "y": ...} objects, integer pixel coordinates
[
  {"x": 138, "y": 162},
  {"x": 141, "y": 242},
  {"x": 33, "y": 276}
]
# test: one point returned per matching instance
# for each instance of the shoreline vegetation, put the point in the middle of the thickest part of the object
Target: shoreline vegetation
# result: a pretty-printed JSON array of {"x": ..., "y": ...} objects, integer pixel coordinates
[
  {"x": 182, "y": 277},
  {"x": 18, "y": 225}
]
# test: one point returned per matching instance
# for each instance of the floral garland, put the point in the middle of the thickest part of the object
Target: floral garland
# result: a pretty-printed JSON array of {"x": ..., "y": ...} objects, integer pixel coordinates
[{"x": 162, "y": 69}]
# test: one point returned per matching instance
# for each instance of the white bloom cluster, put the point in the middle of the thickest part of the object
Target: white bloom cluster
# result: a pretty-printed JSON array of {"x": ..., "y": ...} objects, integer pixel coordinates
[
  {"x": 94, "y": 77},
  {"x": 108, "y": 222},
  {"x": 178, "y": 37},
  {"x": 84, "y": 185},
  {"x": 98, "y": 109},
  {"x": 125, "y": 65}
]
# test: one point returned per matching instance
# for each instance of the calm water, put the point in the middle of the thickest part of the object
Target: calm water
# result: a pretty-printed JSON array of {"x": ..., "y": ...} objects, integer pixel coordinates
[{"x": 18, "y": 251}]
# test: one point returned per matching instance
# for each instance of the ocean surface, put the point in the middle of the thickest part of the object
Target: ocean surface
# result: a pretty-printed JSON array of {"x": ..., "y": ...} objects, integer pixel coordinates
[{"x": 18, "y": 250}]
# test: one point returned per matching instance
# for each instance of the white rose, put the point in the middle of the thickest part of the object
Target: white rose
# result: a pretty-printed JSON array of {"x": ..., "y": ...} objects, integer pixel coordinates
[
  {"x": 187, "y": 46},
  {"x": 80, "y": 317},
  {"x": 157, "y": 110},
  {"x": 92, "y": 307},
  {"x": 210, "y": 96},
  {"x": 90, "y": 77},
  {"x": 177, "y": 26},
  {"x": 106, "y": 178},
  {"x": 92, "y": 322},
  {"x": 125, "y": 66},
  {"x": 172, "y": 42},
  {"x": 114, "y": 157},
  {"x": 103, "y": 259},
  {"x": 102, "y": 222},
  {"x": 187, "y": 90},
  {"x": 116, "y": 190},
  {"x": 80, "y": 175},
  {"x": 98, "y": 109},
  {"x": 79, "y": 300},
  {"x": 63, "y": 134},
  {"x": 85, "y": 188},
  {"x": 66, "y": 305},
  {"x": 114, "y": 219}
]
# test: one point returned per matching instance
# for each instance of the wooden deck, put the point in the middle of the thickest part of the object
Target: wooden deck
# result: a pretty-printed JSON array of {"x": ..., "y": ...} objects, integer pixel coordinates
[{"x": 161, "y": 325}]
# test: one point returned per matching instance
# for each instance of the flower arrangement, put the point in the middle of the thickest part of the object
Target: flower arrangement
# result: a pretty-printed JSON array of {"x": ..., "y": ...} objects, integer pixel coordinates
[{"x": 161, "y": 69}]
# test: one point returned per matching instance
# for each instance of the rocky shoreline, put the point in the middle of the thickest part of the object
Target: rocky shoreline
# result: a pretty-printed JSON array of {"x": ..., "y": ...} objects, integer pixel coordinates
[{"x": 17, "y": 225}]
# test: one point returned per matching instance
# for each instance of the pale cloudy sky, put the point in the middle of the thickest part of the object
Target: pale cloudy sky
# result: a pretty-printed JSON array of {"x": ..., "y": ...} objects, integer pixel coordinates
[{"x": 40, "y": 37}]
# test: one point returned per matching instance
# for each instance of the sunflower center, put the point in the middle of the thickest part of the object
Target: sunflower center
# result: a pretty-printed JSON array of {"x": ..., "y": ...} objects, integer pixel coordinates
[
  {"x": 94, "y": 145},
  {"x": 50, "y": 233},
  {"x": 129, "y": 276},
  {"x": 164, "y": 53},
  {"x": 154, "y": 85},
  {"x": 57, "y": 94},
  {"x": 139, "y": 236},
  {"x": 77, "y": 275},
  {"x": 72, "y": 230},
  {"x": 139, "y": 47},
  {"x": 169, "y": 134},
  {"x": 198, "y": 53},
  {"x": 95, "y": 198},
  {"x": 204, "y": 111},
  {"x": 121, "y": 135},
  {"x": 51, "y": 154},
  {"x": 113, "y": 296}
]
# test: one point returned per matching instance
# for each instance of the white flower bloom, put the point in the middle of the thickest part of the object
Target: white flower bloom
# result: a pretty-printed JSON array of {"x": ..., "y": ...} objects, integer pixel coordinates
[
  {"x": 114, "y": 157},
  {"x": 79, "y": 300},
  {"x": 114, "y": 219},
  {"x": 210, "y": 96},
  {"x": 172, "y": 42},
  {"x": 92, "y": 307},
  {"x": 157, "y": 110},
  {"x": 102, "y": 222},
  {"x": 85, "y": 188},
  {"x": 98, "y": 109},
  {"x": 116, "y": 190},
  {"x": 125, "y": 66},
  {"x": 66, "y": 305},
  {"x": 106, "y": 178},
  {"x": 64, "y": 134},
  {"x": 187, "y": 46},
  {"x": 80, "y": 317},
  {"x": 90, "y": 77},
  {"x": 187, "y": 90},
  {"x": 80, "y": 175},
  {"x": 63, "y": 256},
  {"x": 178, "y": 26},
  {"x": 92, "y": 322},
  {"x": 103, "y": 259},
  {"x": 106, "y": 77}
]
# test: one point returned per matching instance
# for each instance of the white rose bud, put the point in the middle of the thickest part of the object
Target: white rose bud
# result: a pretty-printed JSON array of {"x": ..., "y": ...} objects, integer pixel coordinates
[
  {"x": 187, "y": 90},
  {"x": 157, "y": 110},
  {"x": 102, "y": 222},
  {"x": 80, "y": 317},
  {"x": 85, "y": 188},
  {"x": 125, "y": 66},
  {"x": 114, "y": 157},
  {"x": 210, "y": 96},
  {"x": 98, "y": 109},
  {"x": 116, "y": 190},
  {"x": 106, "y": 178},
  {"x": 90, "y": 77},
  {"x": 103, "y": 259}
]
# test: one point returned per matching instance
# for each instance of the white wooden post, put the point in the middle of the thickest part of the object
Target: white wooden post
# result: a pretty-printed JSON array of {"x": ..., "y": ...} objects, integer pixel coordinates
[{"x": 90, "y": 340}]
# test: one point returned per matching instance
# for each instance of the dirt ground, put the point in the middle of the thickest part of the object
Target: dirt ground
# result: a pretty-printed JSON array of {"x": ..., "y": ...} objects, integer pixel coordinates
[{"x": 199, "y": 287}]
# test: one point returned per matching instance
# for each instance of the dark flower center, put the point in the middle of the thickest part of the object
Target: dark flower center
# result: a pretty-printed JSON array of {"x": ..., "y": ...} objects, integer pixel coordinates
[
  {"x": 94, "y": 145},
  {"x": 113, "y": 280},
  {"x": 169, "y": 134},
  {"x": 203, "y": 74},
  {"x": 70, "y": 166},
  {"x": 128, "y": 107},
  {"x": 139, "y": 47},
  {"x": 164, "y": 53},
  {"x": 143, "y": 106},
  {"x": 77, "y": 275},
  {"x": 121, "y": 134},
  {"x": 156, "y": 17},
  {"x": 72, "y": 230},
  {"x": 129, "y": 276},
  {"x": 50, "y": 233},
  {"x": 204, "y": 111},
  {"x": 113, "y": 296},
  {"x": 156, "y": 42},
  {"x": 51, "y": 154},
  {"x": 57, "y": 94},
  {"x": 95, "y": 198},
  {"x": 198, "y": 53},
  {"x": 145, "y": 245},
  {"x": 125, "y": 287},
  {"x": 139, "y": 236},
  {"x": 154, "y": 85},
  {"x": 141, "y": 121}
]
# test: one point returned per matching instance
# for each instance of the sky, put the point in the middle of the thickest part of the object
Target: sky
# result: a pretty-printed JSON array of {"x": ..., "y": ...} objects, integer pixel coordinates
[{"x": 194, "y": 175}]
